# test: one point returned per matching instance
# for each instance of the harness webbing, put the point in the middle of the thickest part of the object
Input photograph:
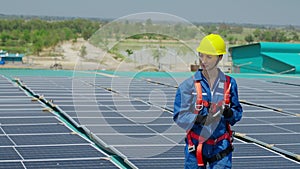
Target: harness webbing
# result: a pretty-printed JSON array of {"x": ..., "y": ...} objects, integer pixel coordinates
[
  {"x": 198, "y": 107},
  {"x": 227, "y": 86},
  {"x": 199, "y": 101}
]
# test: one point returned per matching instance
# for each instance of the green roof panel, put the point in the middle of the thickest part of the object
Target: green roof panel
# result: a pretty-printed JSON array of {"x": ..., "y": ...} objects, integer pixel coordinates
[{"x": 290, "y": 59}]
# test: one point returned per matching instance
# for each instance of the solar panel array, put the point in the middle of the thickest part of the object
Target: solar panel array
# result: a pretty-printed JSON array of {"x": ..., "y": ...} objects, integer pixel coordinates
[
  {"x": 33, "y": 138},
  {"x": 279, "y": 128},
  {"x": 268, "y": 93},
  {"x": 133, "y": 118}
]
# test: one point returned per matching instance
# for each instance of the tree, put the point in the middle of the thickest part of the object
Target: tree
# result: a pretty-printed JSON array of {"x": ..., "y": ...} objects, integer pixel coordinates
[
  {"x": 207, "y": 29},
  {"x": 295, "y": 36},
  {"x": 37, "y": 47},
  {"x": 83, "y": 51},
  {"x": 249, "y": 38},
  {"x": 157, "y": 54},
  {"x": 257, "y": 33},
  {"x": 129, "y": 52},
  {"x": 231, "y": 39}
]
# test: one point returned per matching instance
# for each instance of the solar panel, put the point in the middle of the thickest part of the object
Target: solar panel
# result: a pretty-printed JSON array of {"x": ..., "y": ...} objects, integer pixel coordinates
[
  {"x": 5, "y": 141},
  {"x": 127, "y": 129},
  {"x": 274, "y": 95},
  {"x": 46, "y": 139},
  {"x": 8, "y": 153},
  {"x": 276, "y": 128},
  {"x": 30, "y": 120},
  {"x": 59, "y": 152},
  {"x": 77, "y": 163},
  {"x": 263, "y": 162},
  {"x": 33, "y": 138},
  {"x": 11, "y": 165}
]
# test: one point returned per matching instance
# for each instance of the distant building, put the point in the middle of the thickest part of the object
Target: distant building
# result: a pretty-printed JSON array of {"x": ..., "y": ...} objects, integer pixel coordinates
[
  {"x": 6, "y": 57},
  {"x": 266, "y": 57}
]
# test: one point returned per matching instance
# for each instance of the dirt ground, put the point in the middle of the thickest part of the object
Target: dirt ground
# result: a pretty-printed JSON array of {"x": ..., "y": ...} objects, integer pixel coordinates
[{"x": 67, "y": 56}]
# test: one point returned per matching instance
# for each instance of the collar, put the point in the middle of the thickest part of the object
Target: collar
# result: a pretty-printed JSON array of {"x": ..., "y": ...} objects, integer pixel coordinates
[{"x": 199, "y": 75}]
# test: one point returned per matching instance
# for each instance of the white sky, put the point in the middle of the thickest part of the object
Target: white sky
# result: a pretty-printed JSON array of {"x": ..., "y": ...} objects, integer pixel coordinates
[{"x": 277, "y": 12}]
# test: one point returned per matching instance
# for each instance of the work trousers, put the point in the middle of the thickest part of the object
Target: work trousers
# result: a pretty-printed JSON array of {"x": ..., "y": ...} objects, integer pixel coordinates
[{"x": 190, "y": 161}]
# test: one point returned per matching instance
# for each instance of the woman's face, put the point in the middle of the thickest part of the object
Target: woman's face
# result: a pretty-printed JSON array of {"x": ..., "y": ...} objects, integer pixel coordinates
[{"x": 208, "y": 62}]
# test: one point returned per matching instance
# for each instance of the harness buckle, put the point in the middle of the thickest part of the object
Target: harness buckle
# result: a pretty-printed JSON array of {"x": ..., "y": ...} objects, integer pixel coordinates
[
  {"x": 226, "y": 105},
  {"x": 191, "y": 148},
  {"x": 198, "y": 107}
]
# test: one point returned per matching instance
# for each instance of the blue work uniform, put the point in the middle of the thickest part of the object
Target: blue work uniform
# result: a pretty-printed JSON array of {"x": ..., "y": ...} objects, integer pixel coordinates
[{"x": 184, "y": 115}]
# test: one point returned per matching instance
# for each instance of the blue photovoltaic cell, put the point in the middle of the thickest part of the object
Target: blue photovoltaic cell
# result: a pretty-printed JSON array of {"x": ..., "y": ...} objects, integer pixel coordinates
[
  {"x": 289, "y": 120},
  {"x": 121, "y": 129},
  {"x": 263, "y": 162},
  {"x": 48, "y": 139},
  {"x": 23, "y": 113},
  {"x": 157, "y": 120},
  {"x": 4, "y": 141},
  {"x": 28, "y": 120},
  {"x": 246, "y": 121},
  {"x": 8, "y": 153},
  {"x": 84, "y": 164},
  {"x": 134, "y": 139},
  {"x": 153, "y": 114},
  {"x": 290, "y": 127},
  {"x": 165, "y": 128},
  {"x": 7, "y": 94},
  {"x": 72, "y": 108},
  {"x": 180, "y": 139},
  {"x": 250, "y": 150},
  {"x": 158, "y": 163},
  {"x": 170, "y": 152},
  {"x": 30, "y": 129},
  {"x": 281, "y": 138},
  {"x": 24, "y": 107},
  {"x": 11, "y": 165},
  {"x": 57, "y": 152},
  {"x": 285, "y": 106},
  {"x": 130, "y": 107},
  {"x": 18, "y": 101},
  {"x": 247, "y": 107},
  {"x": 258, "y": 129},
  {"x": 118, "y": 121},
  {"x": 266, "y": 113}
]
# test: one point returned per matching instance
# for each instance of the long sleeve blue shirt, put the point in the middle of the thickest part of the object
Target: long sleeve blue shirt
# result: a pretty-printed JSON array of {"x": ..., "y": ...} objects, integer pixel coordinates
[{"x": 184, "y": 104}]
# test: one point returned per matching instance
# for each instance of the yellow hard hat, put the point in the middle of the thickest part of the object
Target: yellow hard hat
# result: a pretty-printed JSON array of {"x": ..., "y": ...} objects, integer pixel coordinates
[{"x": 212, "y": 44}]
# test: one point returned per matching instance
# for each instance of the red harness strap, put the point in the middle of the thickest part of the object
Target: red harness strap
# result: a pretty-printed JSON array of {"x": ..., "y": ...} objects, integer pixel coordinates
[
  {"x": 227, "y": 86},
  {"x": 191, "y": 146},
  {"x": 198, "y": 107},
  {"x": 199, "y": 101},
  {"x": 225, "y": 136}
]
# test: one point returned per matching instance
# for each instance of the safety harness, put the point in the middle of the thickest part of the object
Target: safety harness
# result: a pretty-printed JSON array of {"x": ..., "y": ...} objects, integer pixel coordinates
[{"x": 199, "y": 104}]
